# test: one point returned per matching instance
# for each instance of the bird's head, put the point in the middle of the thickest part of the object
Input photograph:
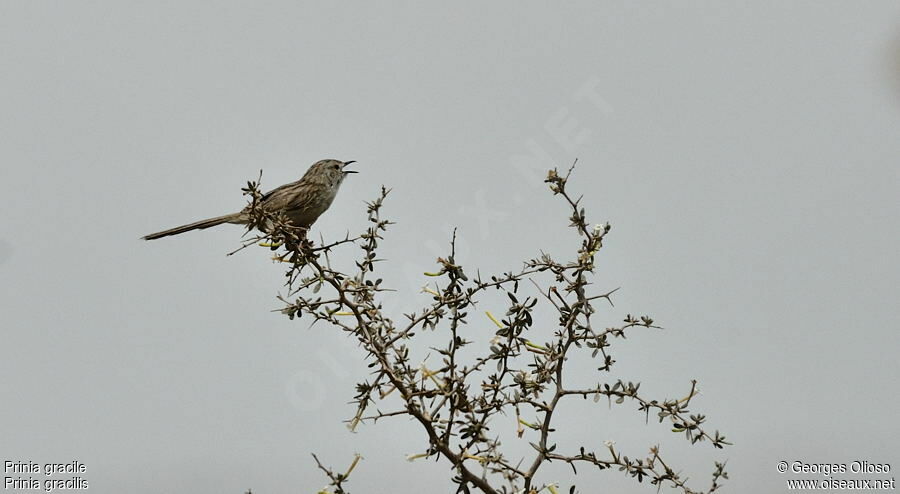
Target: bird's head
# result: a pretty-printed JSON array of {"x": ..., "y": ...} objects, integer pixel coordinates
[{"x": 328, "y": 172}]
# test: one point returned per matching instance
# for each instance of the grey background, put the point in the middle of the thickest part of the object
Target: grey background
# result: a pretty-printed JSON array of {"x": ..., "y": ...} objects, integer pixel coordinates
[{"x": 745, "y": 153}]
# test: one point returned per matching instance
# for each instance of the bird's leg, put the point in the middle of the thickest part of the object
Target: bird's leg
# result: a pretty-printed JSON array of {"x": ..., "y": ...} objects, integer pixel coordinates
[{"x": 298, "y": 241}]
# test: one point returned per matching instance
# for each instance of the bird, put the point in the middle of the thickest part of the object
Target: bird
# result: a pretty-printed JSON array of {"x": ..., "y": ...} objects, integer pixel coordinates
[{"x": 302, "y": 201}]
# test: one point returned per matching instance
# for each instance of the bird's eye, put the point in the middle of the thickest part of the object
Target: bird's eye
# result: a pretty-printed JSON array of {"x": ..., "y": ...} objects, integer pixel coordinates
[{"x": 335, "y": 166}]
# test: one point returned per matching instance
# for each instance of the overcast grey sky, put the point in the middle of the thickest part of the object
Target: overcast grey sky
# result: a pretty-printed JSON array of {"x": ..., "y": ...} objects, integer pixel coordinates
[{"x": 744, "y": 152}]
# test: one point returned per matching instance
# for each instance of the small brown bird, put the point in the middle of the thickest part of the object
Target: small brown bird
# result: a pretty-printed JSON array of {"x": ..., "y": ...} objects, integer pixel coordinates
[{"x": 302, "y": 201}]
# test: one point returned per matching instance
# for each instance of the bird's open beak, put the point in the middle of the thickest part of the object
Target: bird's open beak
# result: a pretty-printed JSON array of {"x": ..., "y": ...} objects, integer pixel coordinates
[{"x": 348, "y": 171}]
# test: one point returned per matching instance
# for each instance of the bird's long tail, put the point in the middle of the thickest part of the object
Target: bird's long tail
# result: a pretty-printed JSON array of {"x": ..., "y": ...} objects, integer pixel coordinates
[{"x": 197, "y": 225}]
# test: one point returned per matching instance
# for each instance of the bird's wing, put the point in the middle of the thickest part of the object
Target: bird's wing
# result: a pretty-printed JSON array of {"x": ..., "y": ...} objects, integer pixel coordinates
[
  {"x": 274, "y": 193},
  {"x": 292, "y": 196}
]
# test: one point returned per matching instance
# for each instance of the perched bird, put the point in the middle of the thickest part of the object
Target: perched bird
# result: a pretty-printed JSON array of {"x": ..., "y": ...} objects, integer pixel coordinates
[{"x": 302, "y": 201}]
